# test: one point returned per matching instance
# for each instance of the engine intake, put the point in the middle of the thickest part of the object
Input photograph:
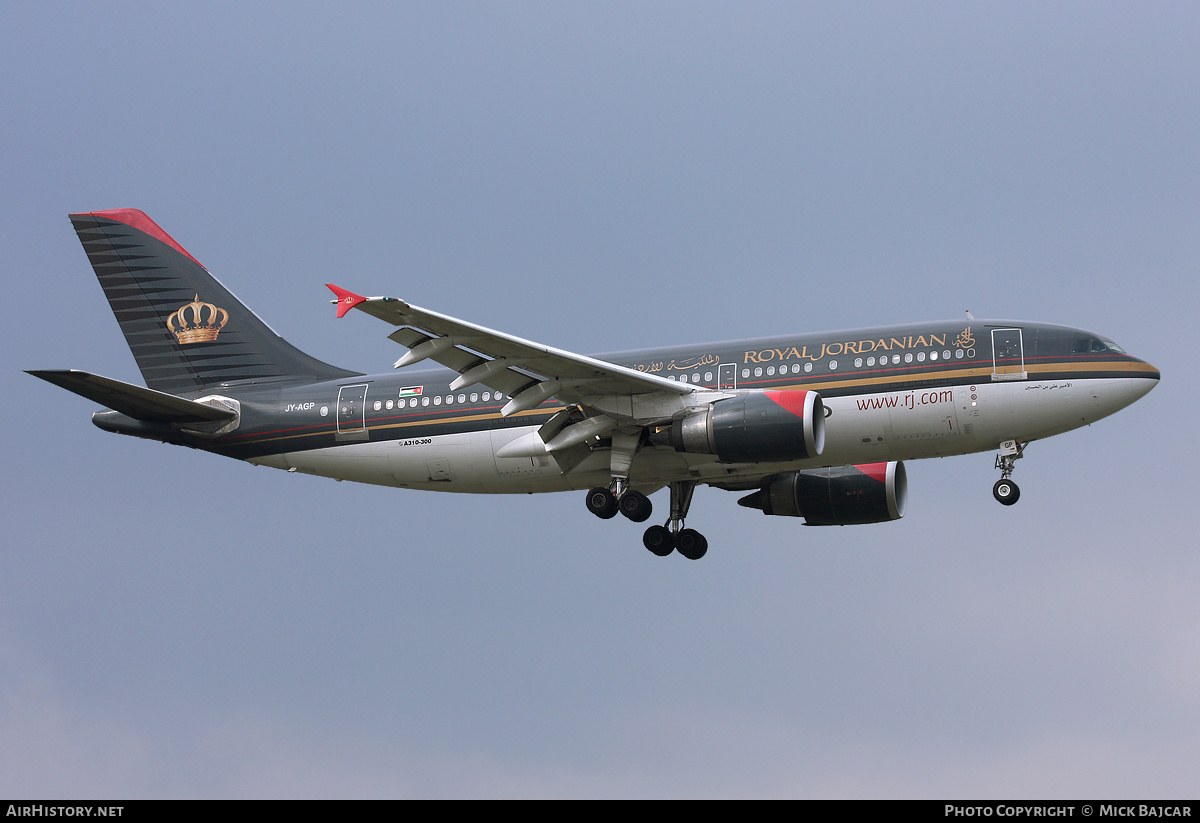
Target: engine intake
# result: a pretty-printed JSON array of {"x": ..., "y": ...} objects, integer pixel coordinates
[
  {"x": 836, "y": 496},
  {"x": 760, "y": 427}
]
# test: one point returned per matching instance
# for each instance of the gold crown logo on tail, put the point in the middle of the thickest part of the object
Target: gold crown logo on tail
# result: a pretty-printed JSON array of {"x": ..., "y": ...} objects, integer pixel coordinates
[{"x": 197, "y": 322}]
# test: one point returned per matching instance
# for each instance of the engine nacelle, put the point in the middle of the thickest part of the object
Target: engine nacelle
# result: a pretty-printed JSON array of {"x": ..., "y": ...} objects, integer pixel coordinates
[
  {"x": 761, "y": 427},
  {"x": 836, "y": 496}
]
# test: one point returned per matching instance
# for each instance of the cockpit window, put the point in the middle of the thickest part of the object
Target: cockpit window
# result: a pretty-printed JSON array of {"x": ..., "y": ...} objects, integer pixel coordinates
[{"x": 1096, "y": 346}]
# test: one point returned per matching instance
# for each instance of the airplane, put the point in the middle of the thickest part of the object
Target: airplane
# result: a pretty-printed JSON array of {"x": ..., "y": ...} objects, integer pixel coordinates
[{"x": 815, "y": 425}]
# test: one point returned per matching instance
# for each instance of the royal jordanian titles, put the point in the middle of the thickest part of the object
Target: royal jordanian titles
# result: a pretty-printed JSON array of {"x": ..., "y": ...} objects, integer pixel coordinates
[{"x": 812, "y": 425}]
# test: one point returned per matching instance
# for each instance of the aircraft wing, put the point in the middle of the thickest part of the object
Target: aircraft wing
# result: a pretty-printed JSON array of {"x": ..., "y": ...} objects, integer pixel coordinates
[{"x": 529, "y": 373}]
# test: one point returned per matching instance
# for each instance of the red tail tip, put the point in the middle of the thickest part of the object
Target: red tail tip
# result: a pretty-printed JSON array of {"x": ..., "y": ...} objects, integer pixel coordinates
[
  {"x": 137, "y": 219},
  {"x": 346, "y": 300}
]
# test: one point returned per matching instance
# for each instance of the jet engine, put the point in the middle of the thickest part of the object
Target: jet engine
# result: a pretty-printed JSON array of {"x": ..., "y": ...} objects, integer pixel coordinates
[
  {"x": 768, "y": 426},
  {"x": 836, "y": 496}
]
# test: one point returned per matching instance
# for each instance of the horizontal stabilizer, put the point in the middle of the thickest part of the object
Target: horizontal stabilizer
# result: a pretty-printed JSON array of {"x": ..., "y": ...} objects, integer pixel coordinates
[{"x": 134, "y": 401}]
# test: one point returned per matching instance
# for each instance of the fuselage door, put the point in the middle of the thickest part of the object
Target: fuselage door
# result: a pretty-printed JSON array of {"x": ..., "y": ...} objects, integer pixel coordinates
[
  {"x": 727, "y": 376},
  {"x": 352, "y": 412},
  {"x": 1008, "y": 357}
]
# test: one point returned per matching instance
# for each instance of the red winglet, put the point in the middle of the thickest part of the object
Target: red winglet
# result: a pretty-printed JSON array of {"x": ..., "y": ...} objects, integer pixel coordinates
[{"x": 346, "y": 300}]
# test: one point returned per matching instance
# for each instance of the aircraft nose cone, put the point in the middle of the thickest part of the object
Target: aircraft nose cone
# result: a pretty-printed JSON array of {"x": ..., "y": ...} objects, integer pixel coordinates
[{"x": 1146, "y": 379}]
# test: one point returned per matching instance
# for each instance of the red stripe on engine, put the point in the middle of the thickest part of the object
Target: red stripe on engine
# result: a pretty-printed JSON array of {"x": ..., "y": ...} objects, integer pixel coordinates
[
  {"x": 876, "y": 471},
  {"x": 792, "y": 400}
]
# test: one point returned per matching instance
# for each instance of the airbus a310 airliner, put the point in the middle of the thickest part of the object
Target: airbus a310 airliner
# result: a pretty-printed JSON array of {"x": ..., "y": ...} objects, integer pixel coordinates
[{"x": 811, "y": 425}]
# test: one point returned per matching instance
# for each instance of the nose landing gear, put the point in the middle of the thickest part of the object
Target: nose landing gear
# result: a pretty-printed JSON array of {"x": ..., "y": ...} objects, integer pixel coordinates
[{"x": 1006, "y": 491}]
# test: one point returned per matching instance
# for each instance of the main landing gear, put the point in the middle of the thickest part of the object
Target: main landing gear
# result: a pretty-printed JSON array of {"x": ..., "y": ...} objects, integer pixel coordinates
[
  {"x": 605, "y": 504},
  {"x": 672, "y": 535},
  {"x": 618, "y": 497},
  {"x": 661, "y": 540},
  {"x": 1005, "y": 490}
]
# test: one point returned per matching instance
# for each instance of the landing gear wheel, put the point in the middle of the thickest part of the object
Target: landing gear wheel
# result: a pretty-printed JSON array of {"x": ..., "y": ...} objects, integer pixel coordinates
[
  {"x": 691, "y": 544},
  {"x": 1006, "y": 492},
  {"x": 659, "y": 540},
  {"x": 602, "y": 503},
  {"x": 636, "y": 506}
]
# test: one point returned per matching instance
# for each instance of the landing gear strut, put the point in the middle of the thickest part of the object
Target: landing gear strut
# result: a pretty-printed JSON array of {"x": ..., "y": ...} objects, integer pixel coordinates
[{"x": 1006, "y": 491}]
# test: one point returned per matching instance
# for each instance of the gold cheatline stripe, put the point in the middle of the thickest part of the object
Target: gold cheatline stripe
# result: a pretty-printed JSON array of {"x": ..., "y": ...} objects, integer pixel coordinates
[
  {"x": 900, "y": 380},
  {"x": 1121, "y": 365},
  {"x": 980, "y": 373}
]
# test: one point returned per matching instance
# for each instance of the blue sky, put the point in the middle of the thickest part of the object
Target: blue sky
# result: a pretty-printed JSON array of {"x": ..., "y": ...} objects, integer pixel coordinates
[{"x": 598, "y": 177}]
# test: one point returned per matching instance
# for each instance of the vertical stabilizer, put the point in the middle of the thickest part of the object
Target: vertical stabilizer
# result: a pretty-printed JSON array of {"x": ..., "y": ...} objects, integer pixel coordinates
[{"x": 186, "y": 331}]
